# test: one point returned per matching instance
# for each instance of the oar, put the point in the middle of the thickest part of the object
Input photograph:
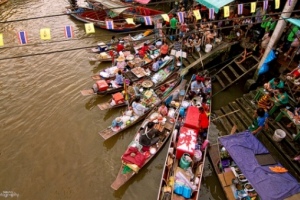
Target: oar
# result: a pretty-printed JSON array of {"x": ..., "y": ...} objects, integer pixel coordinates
[{"x": 226, "y": 114}]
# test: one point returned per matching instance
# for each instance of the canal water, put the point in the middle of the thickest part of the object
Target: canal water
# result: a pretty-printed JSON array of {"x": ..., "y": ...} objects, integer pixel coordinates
[{"x": 49, "y": 142}]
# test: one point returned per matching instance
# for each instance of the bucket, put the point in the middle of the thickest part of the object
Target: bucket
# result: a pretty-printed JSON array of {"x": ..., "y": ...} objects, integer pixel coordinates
[
  {"x": 208, "y": 48},
  {"x": 278, "y": 135},
  {"x": 184, "y": 162},
  {"x": 158, "y": 44}
]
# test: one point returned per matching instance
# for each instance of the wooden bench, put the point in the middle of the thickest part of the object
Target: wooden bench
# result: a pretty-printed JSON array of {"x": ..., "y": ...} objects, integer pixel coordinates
[{"x": 283, "y": 112}]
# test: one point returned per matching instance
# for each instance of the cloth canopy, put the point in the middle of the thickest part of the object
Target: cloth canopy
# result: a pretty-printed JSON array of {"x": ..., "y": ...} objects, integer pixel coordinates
[
  {"x": 294, "y": 21},
  {"x": 216, "y": 4},
  {"x": 142, "y": 1},
  {"x": 242, "y": 148},
  {"x": 115, "y": 6}
]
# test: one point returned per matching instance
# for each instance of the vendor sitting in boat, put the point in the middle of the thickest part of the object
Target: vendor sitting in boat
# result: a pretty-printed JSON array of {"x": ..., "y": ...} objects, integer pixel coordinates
[
  {"x": 156, "y": 64},
  {"x": 143, "y": 50},
  {"x": 163, "y": 110},
  {"x": 149, "y": 135},
  {"x": 120, "y": 46},
  {"x": 119, "y": 78},
  {"x": 138, "y": 108},
  {"x": 121, "y": 64},
  {"x": 197, "y": 87}
]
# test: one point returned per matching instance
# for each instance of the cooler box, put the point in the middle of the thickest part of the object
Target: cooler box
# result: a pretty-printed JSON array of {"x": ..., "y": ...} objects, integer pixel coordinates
[
  {"x": 187, "y": 141},
  {"x": 192, "y": 118},
  {"x": 102, "y": 85},
  {"x": 118, "y": 97}
]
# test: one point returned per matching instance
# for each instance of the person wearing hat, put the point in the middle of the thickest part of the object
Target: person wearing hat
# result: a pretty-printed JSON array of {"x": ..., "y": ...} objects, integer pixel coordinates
[
  {"x": 120, "y": 46},
  {"x": 121, "y": 64},
  {"x": 197, "y": 87}
]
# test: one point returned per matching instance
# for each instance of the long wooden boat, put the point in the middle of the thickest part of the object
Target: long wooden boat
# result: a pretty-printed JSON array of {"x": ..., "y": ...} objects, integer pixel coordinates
[
  {"x": 3, "y": 1},
  {"x": 167, "y": 86},
  {"x": 98, "y": 18},
  {"x": 166, "y": 71},
  {"x": 165, "y": 131},
  {"x": 169, "y": 188},
  {"x": 126, "y": 10},
  {"x": 110, "y": 132}
]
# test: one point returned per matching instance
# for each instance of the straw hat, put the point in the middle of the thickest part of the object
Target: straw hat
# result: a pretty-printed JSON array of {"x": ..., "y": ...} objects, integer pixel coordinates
[{"x": 120, "y": 58}]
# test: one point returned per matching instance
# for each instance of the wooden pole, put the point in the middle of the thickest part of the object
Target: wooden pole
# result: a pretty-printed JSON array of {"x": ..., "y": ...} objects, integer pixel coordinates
[{"x": 286, "y": 13}]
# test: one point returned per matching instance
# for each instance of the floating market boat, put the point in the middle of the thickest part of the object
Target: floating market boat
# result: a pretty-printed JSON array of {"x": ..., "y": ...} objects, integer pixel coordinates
[
  {"x": 133, "y": 75},
  {"x": 150, "y": 99},
  {"x": 122, "y": 99},
  {"x": 142, "y": 155},
  {"x": 99, "y": 18},
  {"x": 184, "y": 164},
  {"x": 124, "y": 10}
]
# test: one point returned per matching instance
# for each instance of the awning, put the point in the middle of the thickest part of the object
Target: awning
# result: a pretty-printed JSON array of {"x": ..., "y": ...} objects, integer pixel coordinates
[
  {"x": 294, "y": 21},
  {"x": 142, "y": 1},
  {"x": 216, "y": 4},
  {"x": 115, "y": 6}
]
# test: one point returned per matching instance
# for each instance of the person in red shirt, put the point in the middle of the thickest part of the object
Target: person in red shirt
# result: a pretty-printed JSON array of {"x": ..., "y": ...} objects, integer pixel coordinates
[
  {"x": 143, "y": 50},
  {"x": 120, "y": 46},
  {"x": 164, "y": 49}
]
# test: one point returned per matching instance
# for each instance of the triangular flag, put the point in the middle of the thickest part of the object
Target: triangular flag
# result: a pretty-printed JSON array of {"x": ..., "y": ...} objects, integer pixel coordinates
[
  {"x": 148, "y": 20},
  {"x": 181, "y": 16},
  {"x": 69, "y": 33},
  {"x": 197, "y": 14},
  {"x": 1, "y": 40},
  {"x": 45, "y": 34},
  {"x": 253, "y": 7},
  {"x": 129, "y": 21},
  {"x": 226, "y": 11},
  {"x": 277, "y": 4},
  {"x": 22, "y": 36},
  {"x": 165, "y": 17},
  {"x": 89, "y": 28},
  {"x": 109, "y": 24},
  {"x": 240, "y": 9},
  {"x": 266, "y": 4},
  {"x": 211, "y": 13}
]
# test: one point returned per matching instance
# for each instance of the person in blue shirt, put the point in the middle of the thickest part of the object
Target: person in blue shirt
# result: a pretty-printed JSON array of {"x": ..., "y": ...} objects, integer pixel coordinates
[
  {"x": 156, "y": 65},
  {"x": 259, "y": 122},
  {"x": 119, "y": 78}
]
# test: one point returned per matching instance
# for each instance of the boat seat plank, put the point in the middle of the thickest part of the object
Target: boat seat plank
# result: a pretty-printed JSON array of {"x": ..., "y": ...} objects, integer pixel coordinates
[
  {"x": 233, "y": 71},
  {"x": 220, "y": 81}
]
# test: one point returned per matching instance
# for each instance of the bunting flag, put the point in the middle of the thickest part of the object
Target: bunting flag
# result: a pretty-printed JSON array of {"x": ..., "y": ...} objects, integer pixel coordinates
[
  {"x": 165, "y": 17},
  {"x": 1, "y": 40},
  {"x": 277, "y": 4},
  {"x": 266, "y": 4},
  {"x": 197, "y": 14},
  {"x": 109, "y": 24},
  {"x": 226, "y": 11},
  {"x": 45, "y": 34},
  {"x": 211, "y": 13},
  {"x": 89, "y": 28},
  {"x": 253, "y": 7},
  {"x": 69, "y": 33},
  {"x": 240, "y": 9},
  {"x": 22, "y": 37},
  {"x": 129, "y": 21},
  {"x": 181, "y": 16},
  {"x": 148, "y": 20}
]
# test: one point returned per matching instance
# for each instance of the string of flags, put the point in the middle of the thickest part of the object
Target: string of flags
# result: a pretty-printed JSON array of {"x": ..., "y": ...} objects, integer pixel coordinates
[{"x": 45, "y": 33}]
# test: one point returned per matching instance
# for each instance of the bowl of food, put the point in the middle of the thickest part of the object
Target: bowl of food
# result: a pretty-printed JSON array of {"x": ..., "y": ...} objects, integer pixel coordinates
[
  {"x": 248, "y": 187},
  {"x": 242, "y": 178},
  {"x": 237, "y": 170}
]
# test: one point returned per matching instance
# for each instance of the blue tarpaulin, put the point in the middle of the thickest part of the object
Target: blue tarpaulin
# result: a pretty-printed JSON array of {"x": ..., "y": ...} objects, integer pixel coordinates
[
  {"x": 265, "y": 66},
  {"x": 242, "y": 147},
  {"x": 294, "y": 21},
  {"x": 216, "y": 4}
]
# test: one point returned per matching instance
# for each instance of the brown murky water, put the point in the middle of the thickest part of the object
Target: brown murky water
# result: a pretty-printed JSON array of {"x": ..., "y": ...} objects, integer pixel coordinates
[{"x": 49, "y": 146}]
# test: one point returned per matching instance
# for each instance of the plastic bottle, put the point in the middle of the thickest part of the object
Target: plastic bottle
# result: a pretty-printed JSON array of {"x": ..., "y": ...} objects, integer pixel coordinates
[{"x": 204, "y": 145}]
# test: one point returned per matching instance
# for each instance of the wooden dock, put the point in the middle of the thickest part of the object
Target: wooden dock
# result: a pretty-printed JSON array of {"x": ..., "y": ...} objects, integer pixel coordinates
[{"x": 244, "y": 108}]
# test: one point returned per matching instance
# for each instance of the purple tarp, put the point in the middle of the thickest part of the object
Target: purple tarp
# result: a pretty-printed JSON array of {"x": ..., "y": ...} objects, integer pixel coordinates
[{"x": 242, "y": 147}]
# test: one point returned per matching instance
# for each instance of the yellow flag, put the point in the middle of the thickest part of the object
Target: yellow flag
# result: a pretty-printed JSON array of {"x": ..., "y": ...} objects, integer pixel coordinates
[
  {"x": 165, "y": 17},
  {"x": 253, "y": 7},
  {"x": 1, "y": 40},
  {"x": 277, "y": 4},
  {"x": 89, "y": 28},
  {"x": 226, "y": 11},
  {"x": 45, "y": 34},
  {"x": 130, "y": 21},
  {"x": 197, "y": 14}
]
